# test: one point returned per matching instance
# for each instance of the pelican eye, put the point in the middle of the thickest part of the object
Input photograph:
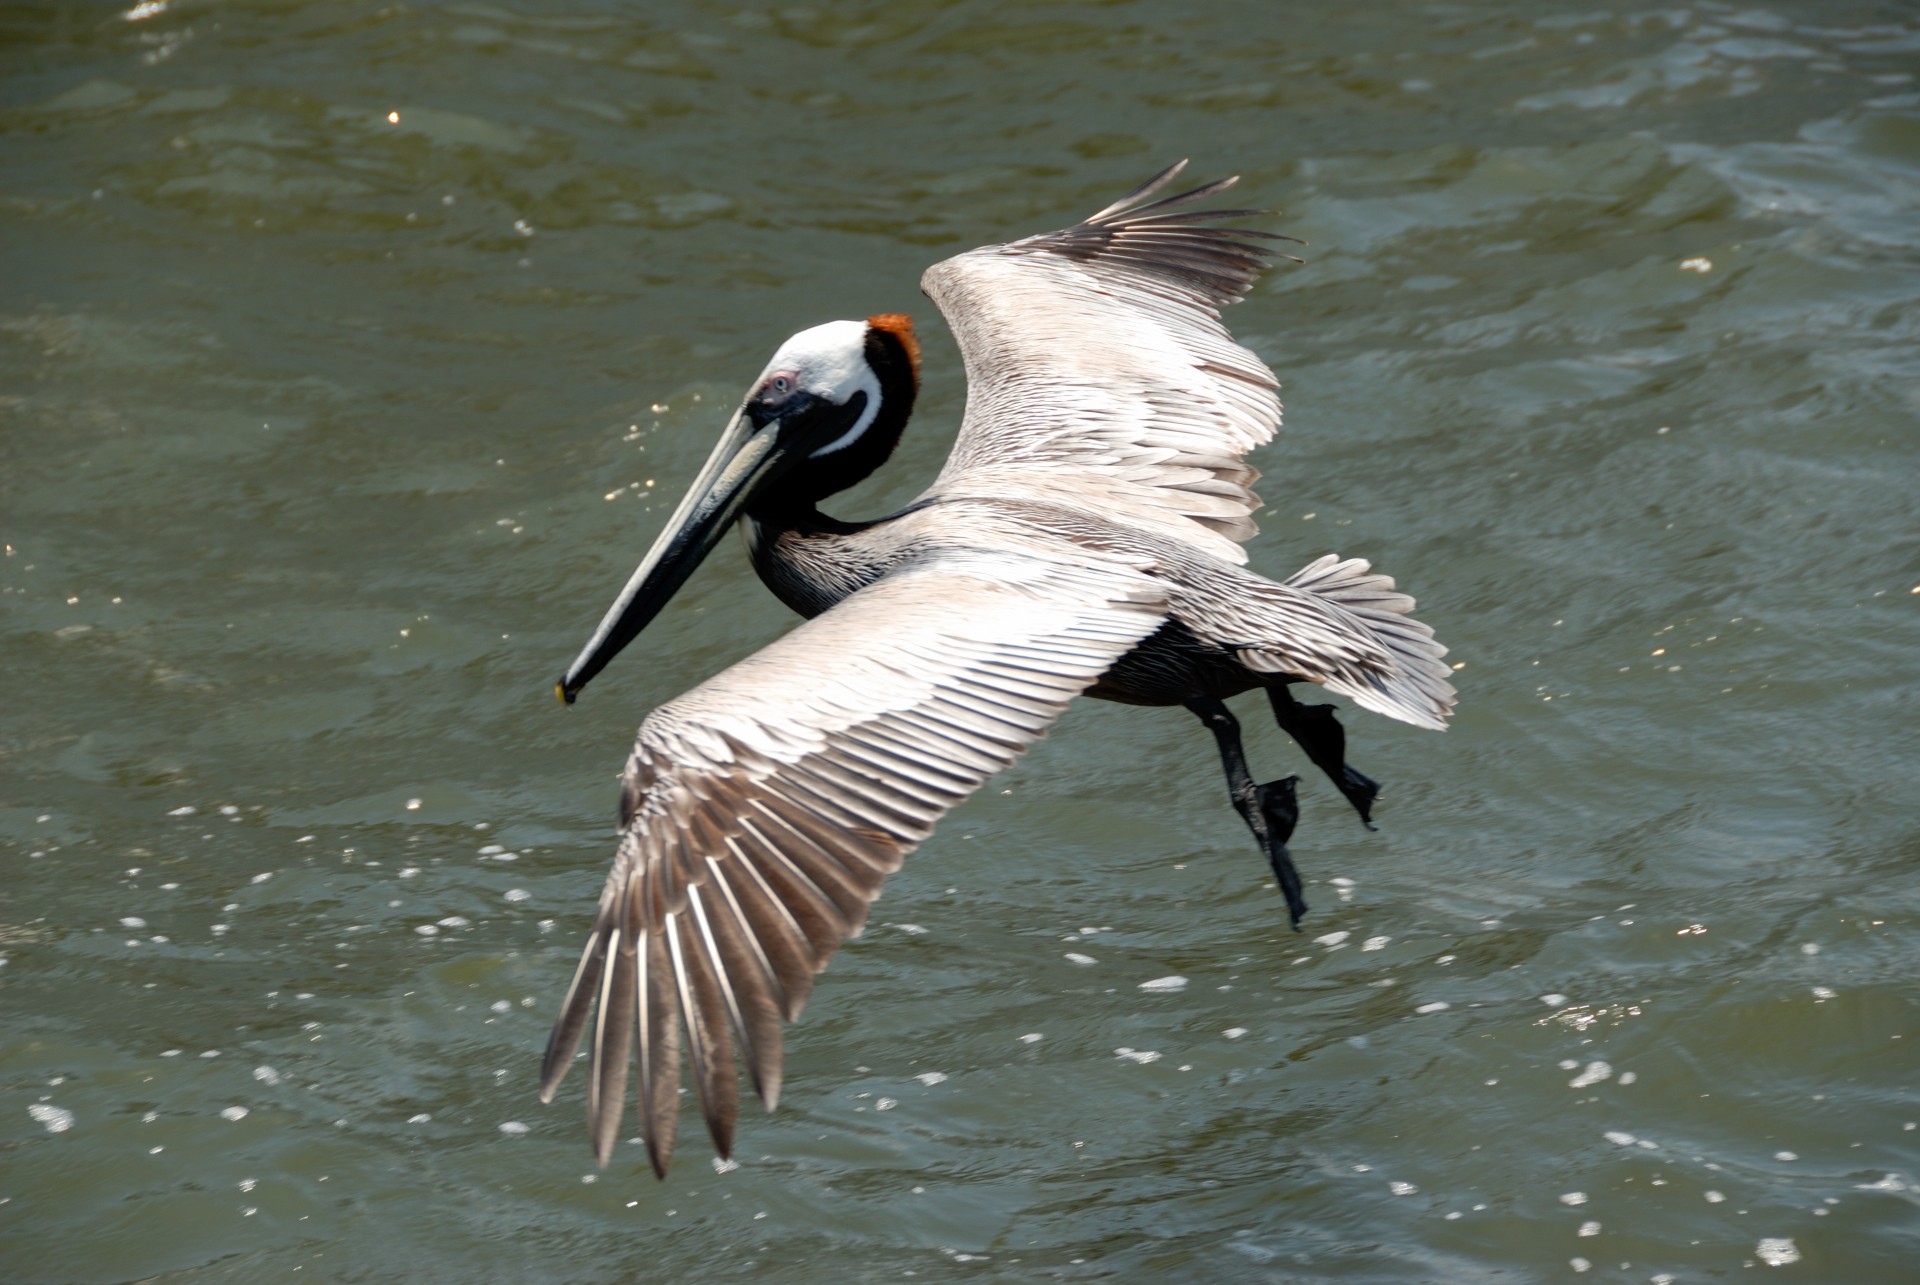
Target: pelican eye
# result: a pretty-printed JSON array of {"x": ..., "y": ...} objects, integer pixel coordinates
[{"x": 780, "y": 384}]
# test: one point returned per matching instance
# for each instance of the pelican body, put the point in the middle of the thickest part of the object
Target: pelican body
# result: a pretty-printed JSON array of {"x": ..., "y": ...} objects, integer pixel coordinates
[{"x": 1083, "y": 538}]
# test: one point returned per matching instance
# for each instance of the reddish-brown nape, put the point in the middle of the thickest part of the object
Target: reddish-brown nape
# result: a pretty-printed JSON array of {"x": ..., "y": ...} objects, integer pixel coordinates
[{"x": 900, "y": 326}]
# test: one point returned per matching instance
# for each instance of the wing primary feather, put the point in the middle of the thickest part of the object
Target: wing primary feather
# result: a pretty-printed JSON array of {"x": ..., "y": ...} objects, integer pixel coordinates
[
  {"x": 659, "y": 1051},
  {"x": 1197, "y": 219},
  {"x": 816, "y": 875},
  {"x": 1200, "y": 193},
  {"x": 708, "y": 1045},
  {"x": 565, "y": 1040},
  {"x": 754, "y": 993},
  {"x": 1140, "y": 193},
  {"x": 779, "y": 933},
  {"x": 599, "y": 1027},
  {"x": 812, "y": 910},
  {"x": 612, "y": 1046}
]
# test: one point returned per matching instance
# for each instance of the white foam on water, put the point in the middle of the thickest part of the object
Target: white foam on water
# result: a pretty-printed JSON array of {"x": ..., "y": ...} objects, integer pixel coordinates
[
  {"x": 1777, "y": 1251},
  {"x": 54, "y": 1119},
  {"x": 1438, "y": 1006},
  {"x": 1142, "y": 1056},
  {"x": 1165, "y": 984},
  {"x": 1573, "y": 1198},
  {"x": 1082, "y": 960},
  {"x": 233, "y": 1113},
  {"x": 1594, "y": 1074},
  {"x": 931, "y": 1078},
  {"x": 514, "y": 1129}
]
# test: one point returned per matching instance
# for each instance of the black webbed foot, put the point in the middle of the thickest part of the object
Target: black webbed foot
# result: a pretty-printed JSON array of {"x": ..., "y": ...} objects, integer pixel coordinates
[
  {"x": 1319, "y": 734},
  {"x": 1269, "y": 810},
  {"x": 1281, "y": 811},
  {"x": 1280, "y": 806}
]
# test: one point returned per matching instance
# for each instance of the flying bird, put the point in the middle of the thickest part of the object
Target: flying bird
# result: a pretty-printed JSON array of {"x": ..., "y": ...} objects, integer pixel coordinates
[{"x": 1084, "y": 537}]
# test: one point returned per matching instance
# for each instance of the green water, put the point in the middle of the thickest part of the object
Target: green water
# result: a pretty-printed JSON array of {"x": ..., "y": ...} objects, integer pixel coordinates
[{"x": 350, "y": 355}]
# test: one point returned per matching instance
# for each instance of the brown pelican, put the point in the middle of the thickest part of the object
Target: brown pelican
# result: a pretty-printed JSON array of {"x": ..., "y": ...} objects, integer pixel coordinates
[{"x": 1084, "y": 537}]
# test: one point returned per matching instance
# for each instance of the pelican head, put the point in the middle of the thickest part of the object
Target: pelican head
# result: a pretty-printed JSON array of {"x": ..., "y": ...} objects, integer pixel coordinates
[{"x": 827, "y": 411}]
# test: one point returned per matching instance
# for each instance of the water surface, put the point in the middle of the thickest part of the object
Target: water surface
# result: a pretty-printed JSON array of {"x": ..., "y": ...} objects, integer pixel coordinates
[{"x": 350, "y": 355}]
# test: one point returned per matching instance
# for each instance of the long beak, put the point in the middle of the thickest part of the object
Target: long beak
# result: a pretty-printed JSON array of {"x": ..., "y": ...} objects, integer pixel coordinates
[{"x": 743, "y": 461}]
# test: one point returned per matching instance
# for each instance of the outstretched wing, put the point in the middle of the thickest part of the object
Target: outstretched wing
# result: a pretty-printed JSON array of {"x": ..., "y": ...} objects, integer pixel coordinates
[
  {"x": 1098, "y": 372},
  {"x": 763, "y": 809}
]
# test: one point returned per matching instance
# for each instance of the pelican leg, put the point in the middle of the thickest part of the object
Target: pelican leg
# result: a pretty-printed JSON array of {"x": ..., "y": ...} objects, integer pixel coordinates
[
  {"x": 1319, "y": 733},
  {"x": 1269, "y": 810}
]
